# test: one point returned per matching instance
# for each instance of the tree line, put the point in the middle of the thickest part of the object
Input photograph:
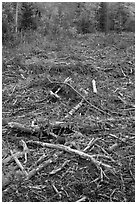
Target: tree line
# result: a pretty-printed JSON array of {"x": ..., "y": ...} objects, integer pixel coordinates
[{"x": 65, "y": 18}]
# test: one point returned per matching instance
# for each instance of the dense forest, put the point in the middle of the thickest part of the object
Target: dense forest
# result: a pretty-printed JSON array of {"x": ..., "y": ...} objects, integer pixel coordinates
[{"x": 68, "y": 102}]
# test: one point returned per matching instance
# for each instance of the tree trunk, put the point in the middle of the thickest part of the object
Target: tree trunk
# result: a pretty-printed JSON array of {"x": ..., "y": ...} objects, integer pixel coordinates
[{"x": 16, "y": 18}]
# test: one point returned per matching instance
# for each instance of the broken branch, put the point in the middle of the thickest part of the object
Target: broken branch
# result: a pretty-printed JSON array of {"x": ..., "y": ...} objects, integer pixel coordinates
[{"x": 70, "y": 150}]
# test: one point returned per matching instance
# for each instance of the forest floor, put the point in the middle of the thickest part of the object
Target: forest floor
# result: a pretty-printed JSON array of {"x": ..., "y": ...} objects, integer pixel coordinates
[{"x": 79, "y": 141}]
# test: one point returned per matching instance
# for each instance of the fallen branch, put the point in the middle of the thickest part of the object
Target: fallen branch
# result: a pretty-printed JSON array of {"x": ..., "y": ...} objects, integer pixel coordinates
[
  {"x": 59, "y": 169},
  {"x": 10, "y": 158},
  {"x": 20, "y": 127},
  {"x": 56, "y": 191},
  {"x": 94, "y": 86},
  {"x": 90, "y": 144},
  {"x": 25, "y": 150},
  {"x": 70, "y": 150},
  {"x": 73, "y": 110},
  {"x": 38, "y": 162},
  {"x": 82, "y": 199},
  {"x": 54, "y": 94},
  {"x": 19, "y": 163},
  {"x": 30, "y": 130},
  {"x": 38, "y": 169}
]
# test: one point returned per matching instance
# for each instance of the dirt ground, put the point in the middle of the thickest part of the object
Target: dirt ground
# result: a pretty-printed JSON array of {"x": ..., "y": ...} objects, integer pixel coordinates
[{"x": 79, "y": 141}]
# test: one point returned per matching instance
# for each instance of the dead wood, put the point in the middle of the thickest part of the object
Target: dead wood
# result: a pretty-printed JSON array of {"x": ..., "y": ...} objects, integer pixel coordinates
[
  {"x": 70, "y": 150},
  {"x": 10, "y": 159},
  {"x": 38, "y": 169}
]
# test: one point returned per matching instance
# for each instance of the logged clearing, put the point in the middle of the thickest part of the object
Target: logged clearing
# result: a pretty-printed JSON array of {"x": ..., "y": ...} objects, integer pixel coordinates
[{"x": 68, "y": 129}]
